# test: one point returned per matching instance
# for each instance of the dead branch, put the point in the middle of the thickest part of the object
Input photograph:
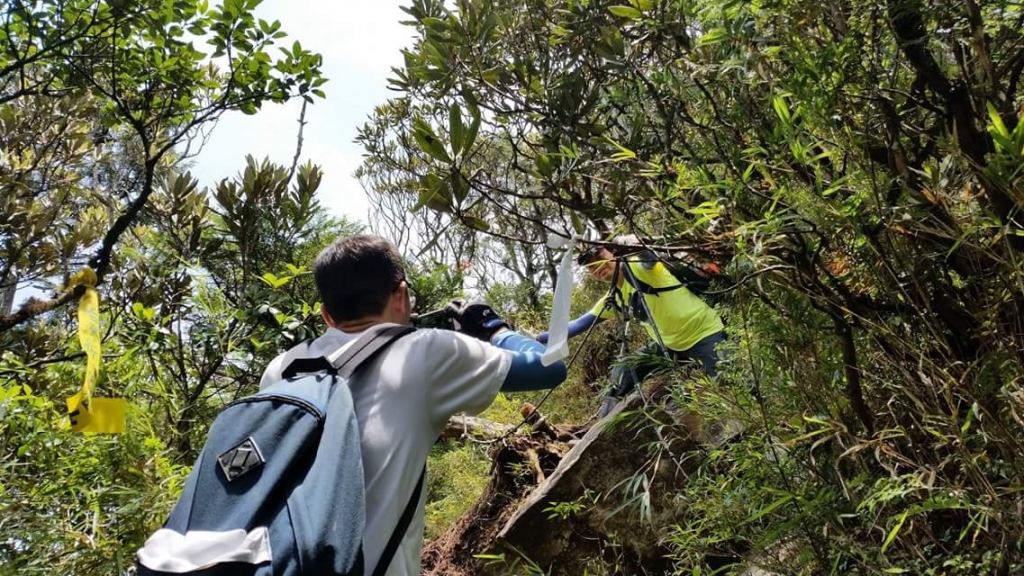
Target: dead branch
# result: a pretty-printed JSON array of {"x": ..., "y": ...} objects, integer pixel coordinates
[{"x": 461, "y": 426}]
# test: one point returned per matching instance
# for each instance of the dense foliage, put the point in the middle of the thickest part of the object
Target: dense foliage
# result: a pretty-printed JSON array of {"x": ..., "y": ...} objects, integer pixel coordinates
[
  {"x": 857, "y": 164},
  {"x": 102, "y": 103},
  {"x": 99, "y": 99}
]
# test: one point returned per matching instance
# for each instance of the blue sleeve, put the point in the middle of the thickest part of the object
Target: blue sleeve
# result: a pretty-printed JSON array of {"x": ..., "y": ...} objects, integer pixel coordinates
[
  {"x": 526, "y": 372},
  {"x": 576, "y": 327}
]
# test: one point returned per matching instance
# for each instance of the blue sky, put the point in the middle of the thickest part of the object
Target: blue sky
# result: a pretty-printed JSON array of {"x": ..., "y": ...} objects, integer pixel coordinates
[{"x": 360, "y": 42}]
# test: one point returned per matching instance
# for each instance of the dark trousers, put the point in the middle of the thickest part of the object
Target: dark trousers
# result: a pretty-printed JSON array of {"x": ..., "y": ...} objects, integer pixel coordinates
[{"x": 626, "y": 378}]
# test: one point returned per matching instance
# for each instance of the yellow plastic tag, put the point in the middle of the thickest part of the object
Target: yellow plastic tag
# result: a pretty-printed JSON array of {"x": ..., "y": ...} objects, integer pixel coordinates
[
  {"x": 88, "y": 414},
  {"x": 98, "y": 415}
]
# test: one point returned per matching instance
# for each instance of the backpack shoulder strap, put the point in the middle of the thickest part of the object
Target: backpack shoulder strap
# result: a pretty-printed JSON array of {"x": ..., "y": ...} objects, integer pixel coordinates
[
  {"x": 403, "y": 526},
  {"x": 366, "y": 347},
  {"x": 307, "y": 366},
  {"x": 345, "y": 362},
  {"x": 643, "y": 287}
]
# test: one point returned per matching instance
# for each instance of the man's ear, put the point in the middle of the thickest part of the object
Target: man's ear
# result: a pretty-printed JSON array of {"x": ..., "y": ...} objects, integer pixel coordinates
[
  {"x": 399, "y": 298},
  {"x": 327, "y": 317}
]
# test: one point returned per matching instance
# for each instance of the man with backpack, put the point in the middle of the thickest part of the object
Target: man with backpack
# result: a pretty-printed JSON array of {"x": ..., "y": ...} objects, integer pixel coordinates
[
  {"x": 404, "y": 400},
  {"x": 402, "y": 385},
  {"x": 682, "y": 326}
]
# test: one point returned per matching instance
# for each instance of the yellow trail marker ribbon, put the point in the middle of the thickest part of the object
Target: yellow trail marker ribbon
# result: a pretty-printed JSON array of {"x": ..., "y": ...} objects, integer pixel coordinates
[{"x": 88, "y": 414}]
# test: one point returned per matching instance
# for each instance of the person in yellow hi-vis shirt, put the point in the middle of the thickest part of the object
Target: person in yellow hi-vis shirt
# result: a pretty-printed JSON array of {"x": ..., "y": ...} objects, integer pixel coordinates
[{"x": 682, "y": 326}]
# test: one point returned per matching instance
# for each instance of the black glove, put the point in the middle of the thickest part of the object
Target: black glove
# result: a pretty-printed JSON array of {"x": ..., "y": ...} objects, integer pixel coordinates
[{"x": 475, "y": 319}]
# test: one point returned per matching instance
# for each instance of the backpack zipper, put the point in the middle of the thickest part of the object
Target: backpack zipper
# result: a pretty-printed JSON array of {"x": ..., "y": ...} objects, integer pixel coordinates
[{"x": 313, "y": 410}]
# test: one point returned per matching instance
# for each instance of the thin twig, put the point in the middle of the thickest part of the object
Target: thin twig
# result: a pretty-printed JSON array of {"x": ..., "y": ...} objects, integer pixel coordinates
[{"x": 298, "y": 141}]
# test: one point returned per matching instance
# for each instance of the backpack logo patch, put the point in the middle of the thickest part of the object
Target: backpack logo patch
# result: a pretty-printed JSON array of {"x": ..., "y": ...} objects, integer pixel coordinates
[{"x": 240, "y": 460}]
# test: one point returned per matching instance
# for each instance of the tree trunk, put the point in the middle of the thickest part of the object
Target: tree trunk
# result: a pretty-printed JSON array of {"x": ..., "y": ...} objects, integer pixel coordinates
[
  {"x": 8, "y": 286},
  {"x": 851, "y": 369}
]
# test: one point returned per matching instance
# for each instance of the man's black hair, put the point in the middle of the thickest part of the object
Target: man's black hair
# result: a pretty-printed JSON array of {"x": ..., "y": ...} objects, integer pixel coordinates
[{"x": 356, "y": 276}]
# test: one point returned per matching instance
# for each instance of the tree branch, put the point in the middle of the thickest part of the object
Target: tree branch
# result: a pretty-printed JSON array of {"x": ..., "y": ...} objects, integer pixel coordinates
[
  {"x": 298, "y": 142},
  {"x": 459, "y": 427},
  {"x": 35, "y": 307}
]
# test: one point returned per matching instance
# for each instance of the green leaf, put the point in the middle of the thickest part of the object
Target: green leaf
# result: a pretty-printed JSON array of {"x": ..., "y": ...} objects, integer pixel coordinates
[
  {"x": 474, "y": 127},
  {"x": 997, "y": 121},
  {"x": 770, "y": 508},
  {"x": 456, "y": 127},
  {"x": 428, "y": 141},
  {"x": 460, "y": 186},
  {"x": 970, "y": 418},
  {"x": 434, "y": 194},
  {"x": 577, "y": 223},
  {"x": 707, "y": 208},
  {"x": 623, "y": 153},
  {"x": 1000, "y": 134},
  {"x": 436, "y": 24},
  {"x": 895, "y": 530},
  {"x": 713, "y": 36},
  {"x": 477, "y": 223},
  {"x": 544, "y": 165},
  {"x": 611, "y": 44},
  {"x": 781, "y": 109},
  {"x": 626, "y": 12},
  {"x": 557, "y": 32},
  {"x": 274, "y": 282},
  {"x": 492, "y": 75}
]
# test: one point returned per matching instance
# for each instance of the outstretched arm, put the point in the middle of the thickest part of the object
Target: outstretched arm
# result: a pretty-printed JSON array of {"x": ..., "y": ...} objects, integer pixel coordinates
[
  {"x": 527, "y": 372},
  {"x": 576, "y": 327}
]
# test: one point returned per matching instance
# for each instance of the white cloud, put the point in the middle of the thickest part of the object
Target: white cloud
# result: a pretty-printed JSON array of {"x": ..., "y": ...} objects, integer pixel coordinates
[{"x": 363, "y": 36}]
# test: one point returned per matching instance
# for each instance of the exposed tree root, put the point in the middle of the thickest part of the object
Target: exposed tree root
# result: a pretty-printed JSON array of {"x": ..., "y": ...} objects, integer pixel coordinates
[{"x": 556, "y": 499}]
